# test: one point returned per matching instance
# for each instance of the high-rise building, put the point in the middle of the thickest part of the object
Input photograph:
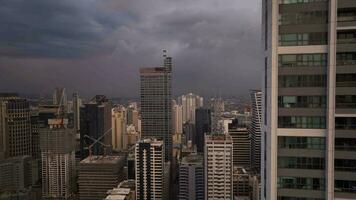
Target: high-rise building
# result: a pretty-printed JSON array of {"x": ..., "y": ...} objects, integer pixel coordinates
[
  {"x": 254, "y": 129},
  {"x": 191, "y": 177},
  {"x": 156, "y": 104},
  {"x": 98, "y": 174},
  {"x": 177, "y": 120},
  {"x": 95, "y": 123},
  {"x": 57, "y": 144},
  {"x": 77, "y": 103},
  {"x": 218, "y": 108},
  {"x": 241, "y": 144},
  {"x": 189, "y": 103},
  {"x": 15, "y": 126},
  {"x": 202, "y": 126},
  {"x": 309, "y": 115},
  {"x": 15, "y": 177},
  {"x": 149, "y": 164},
  {"x": 218, "y": 154},
  {"x": 118, "y": 128},
  {"x": 189, "y": 133}
]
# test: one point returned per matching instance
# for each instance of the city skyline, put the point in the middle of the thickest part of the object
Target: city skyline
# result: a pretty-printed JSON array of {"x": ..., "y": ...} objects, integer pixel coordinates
[{"x": 81, "y": 59}]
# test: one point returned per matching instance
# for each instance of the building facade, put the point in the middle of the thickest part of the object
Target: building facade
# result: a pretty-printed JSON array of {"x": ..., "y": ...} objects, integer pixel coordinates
[
  {"x": 218, "y": 167},
  {"x": 119, "y": 120},
  {"x": 156, "y": 104},
  {"x": 309, "y": 116},
  {"x": 254, "y": 130},
  {"x": 189, "y": 103},
  {"x": 202, "y": 126},
  {"x": 149, "y": 169},
  {"x": 241, "y": 144},
  {"x": 177, "y": 118}
]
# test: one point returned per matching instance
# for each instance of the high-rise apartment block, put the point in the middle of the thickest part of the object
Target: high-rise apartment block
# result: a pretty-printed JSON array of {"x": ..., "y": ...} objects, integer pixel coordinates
[
  {"x": 149, "y": 164},
  {"x": 156, "y": 104},
  {"x": 254, "y": 130},
  {"x": 309, "y": 104},
  {"x": 118, "y": 124},
  {"x": 218, "y": 155},
  {"x": 58, "y": 160},
  {"x": 191, "y": 177}
]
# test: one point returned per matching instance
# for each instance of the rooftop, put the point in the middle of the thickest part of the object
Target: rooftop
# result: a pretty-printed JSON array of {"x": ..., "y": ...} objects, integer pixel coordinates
[
  {"x": 101, "y": 160},
  {"x": 193, "y": 159},
  {"x": 153, "y": 70}
]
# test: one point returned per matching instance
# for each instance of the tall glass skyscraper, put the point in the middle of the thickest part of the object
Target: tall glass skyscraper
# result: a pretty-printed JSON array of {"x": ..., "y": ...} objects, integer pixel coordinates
[
  {"x": 309, "y": 104},
  {"x": 156, "y": 104}
]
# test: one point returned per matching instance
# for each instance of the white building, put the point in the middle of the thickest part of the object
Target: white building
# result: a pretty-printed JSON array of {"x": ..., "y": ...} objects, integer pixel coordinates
[
  {"x": 149, "y": 164},
  {"x": 177, "y": 118},
  {"x": 218, "y": 154},
  {"x": 190, "y": 102},
  {"x": 118, "y": 121}
]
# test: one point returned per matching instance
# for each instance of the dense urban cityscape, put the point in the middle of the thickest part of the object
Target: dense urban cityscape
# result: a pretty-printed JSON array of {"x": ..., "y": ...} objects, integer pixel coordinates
[{"x": 292, "y": 138}]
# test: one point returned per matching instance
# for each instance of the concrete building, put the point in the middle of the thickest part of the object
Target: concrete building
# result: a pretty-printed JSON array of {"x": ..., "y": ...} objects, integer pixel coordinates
[
  {"x": 119, "y": 120},
  {"x": 150, "y": 170},
  {"x": 191, "y": 177},
  {"x": 57, "y": 145},
  {"x": 241, "y": 144},
  {"x": 177, "y": 118},
  {"x": 218, "y": 172},
  {"x": 189, "y": 103},
  {"x": 95, "y": 121},
  {"x": 15, "y": 177},
  {"x": 98, "y": 174},
  {"x": 156, "y": 104},
  {"x": 254, "y": 130},
  {"x": 15, "y": 126},
  {"x": 124, "y": 191},
  {"x": 202, "y": 126},
  {"x": 309, "y": 103}
]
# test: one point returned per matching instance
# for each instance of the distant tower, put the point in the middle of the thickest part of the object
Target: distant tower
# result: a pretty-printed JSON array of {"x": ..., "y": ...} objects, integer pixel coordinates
[
  {"x": 190, "y": 102},
  {"x": 202, "y": 126},
  {"x": 156, "y": 104},
  {"x": 218, "y": 165},
  {"x": 149, "y": 162},
  {"x": 255, "y": 129},
  {"x": 241, "y": 144},
  {"x": 77, "y": 103},
  {"x": 118, "y": 128},
  {"x": 177, "y": 123}
]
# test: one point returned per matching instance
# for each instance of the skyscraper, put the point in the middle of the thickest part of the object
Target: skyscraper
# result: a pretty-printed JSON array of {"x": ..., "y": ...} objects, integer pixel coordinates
[
  {"x": 254, "y": 130},
  {"x": 77, "y": 103},
  {"x": 202, "y": 126},
  {"x": 241, "y": 144},
  {"x": 309, "y": 116},
  {"x": 95, "y": 121},
  {"x": 177, "y": 120},
  {"x": 190, "y": 102},
  {"x": 218, "y": 173},
  {"x": 118, "y": 128},
  {"x": 15, "y": 126},
  {"x": 191, "y": 177},
  {"x": 149, "y": 164},
  {"x": 156, "y": 104},
  {"x": 58, "y": 160}
]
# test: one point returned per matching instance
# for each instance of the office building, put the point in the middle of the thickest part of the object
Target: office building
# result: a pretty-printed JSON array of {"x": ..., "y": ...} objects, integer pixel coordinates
[
  {"x": 254, "y": 130},
  {"x": 118, "y": 128},
  {"x": 177, "y": 118},
  {"x": 241, "y": 144},
  {"x": 309, "y": 118},
  {"x": 149, "y": 164},
  {"x": 98, "y": 174},
  {"x": 191, "y": 177},
  {"x": 156, "y": 104},
  {"x": 202, "y": 126},
  {"x": 95, "y": 123},
  {"x": 15, "y": 126},
  {"x": 57, "y": 143},
  {"x": 189, "y": 103},
  {"x": 218, "y": 167}
]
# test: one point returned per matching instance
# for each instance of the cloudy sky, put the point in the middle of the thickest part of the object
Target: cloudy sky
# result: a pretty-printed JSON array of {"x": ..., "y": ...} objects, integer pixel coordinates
[{"x": 97, "y": 46}]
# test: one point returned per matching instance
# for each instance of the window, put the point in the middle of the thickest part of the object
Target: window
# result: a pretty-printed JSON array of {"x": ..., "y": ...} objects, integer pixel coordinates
[
  {"x": 345, "y": 80},
  {"x": 345, "y": 101},
  {"x": 297, "y": 198},
  {"x": 301, "y": 183},
  {"x": 301, "y": 122},
  {"x": 286, "y": 81},
  {"x": 311, "y": 17},
  {"x": 300, "y": 1},
  {"x": 346, "y": 37},
  {"x": 345, "y": 186},
  {"x": 302, "y": 101},
  {"x": 345, "y": 165},
  {"x": 347, "y": 144},
  {"x": 285, "y": 142},
  {"x": 302, "y": 60},
  {"x": 301, "y": 39},
  {"x": 345, "y": 123},
  {"x": 301, "y": 163},
  {"x": 346, "y": 58}
]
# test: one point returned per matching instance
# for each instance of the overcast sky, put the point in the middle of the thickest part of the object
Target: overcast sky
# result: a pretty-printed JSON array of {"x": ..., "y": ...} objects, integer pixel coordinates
[{"x": 97, "y": 46}]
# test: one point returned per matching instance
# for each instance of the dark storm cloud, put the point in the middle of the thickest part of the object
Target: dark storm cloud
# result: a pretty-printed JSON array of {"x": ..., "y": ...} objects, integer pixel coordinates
[
  {"x": 57, "y": 28},
  {"x": 215, "y": 44}
]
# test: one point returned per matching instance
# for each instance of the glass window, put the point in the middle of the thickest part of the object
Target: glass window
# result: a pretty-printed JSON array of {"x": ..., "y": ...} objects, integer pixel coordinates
[
  {"x": 345, "y": 165},
  {"x": 300, "y": 1},
  {"x": 302, "y": 60},
  {"x": 345, "y": 123},
  {"x": 301, "y": 183},
  {"x": 345, "y": 186},
  {"x": 301, "y": 163},
  {"x": 310, "y": 17},
  {"x": 345, "y": 80},
  {"x": 310, "y": 122},
  {"x": 302, "y": 101},
  {"x": 285, "y": 142},
  {"x": 345, "y": 101},
  {"x": 301, "y": 39}
]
